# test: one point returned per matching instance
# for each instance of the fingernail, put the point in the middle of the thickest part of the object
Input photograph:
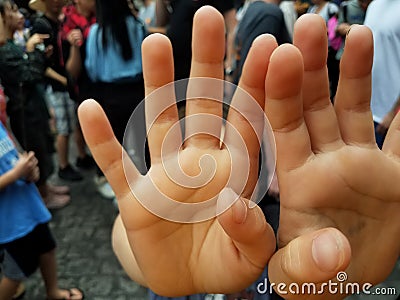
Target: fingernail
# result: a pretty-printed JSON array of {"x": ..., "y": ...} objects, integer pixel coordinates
[
  {"x": 326, "y": 251},
  {"x": 239, "y": 211}
]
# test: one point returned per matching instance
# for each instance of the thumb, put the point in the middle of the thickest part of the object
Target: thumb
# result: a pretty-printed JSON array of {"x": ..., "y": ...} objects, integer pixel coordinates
[
  {"x": 246, "y": 225},
  {"x": 314, "y": 257}
]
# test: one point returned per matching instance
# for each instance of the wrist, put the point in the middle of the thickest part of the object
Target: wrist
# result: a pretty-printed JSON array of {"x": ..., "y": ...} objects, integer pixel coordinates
[{"x": 15, "y": 174}]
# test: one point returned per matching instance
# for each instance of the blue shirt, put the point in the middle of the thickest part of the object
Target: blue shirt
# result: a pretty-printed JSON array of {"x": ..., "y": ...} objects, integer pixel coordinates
[
  {"x": 21, "y": 206},
  {"x": 107, "y": 64}
]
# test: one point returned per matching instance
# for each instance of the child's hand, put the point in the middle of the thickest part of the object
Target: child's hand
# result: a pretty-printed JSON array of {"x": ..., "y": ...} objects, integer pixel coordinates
[
  {"x": 340, "y": 195},
  {"x": 26, "y": 167},
  {"x": 220, "y": 254},
  {"x": 75, "y": 37},
  {"x": 35, "y": 40}
]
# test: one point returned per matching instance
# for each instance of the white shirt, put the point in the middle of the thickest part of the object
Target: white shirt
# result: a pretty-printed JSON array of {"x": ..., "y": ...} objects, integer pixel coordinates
[{"x": 383, "y": 18}]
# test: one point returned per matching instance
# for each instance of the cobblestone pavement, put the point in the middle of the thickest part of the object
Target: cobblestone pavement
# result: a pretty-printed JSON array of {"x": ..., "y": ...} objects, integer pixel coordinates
[
  {"x": 84, "y": 254},
  {"x": 86, "y": 260}
]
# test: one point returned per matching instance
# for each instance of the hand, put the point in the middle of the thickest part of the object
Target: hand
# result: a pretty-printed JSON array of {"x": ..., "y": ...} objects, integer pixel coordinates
[
  {"x": 340, "y": 201},
  {"x": 35, "y": 40},
  {"x": 336, "y": 187},
  {"x": 48, "y": 51},
  {"x": 343, "y": 28},
  {"x": 34, "y": 175},
  {"x": 26, "y": 167},
  {"x": 222, "y": 254},
  {"x": 75, "y": 37}
]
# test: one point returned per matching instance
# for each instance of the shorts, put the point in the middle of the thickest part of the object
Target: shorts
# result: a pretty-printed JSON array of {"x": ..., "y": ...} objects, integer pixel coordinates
[
  {"x": 64, "y": 110},
  {"x": 10, "y": 268},
  {"x": 21, "y": 257}
]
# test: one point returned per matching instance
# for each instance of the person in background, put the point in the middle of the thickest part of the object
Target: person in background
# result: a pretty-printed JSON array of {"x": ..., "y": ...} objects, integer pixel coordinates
[
  {"x": 57, "y": 93},
  {"x": 260, "y": 17},
  {"x": 147, "y": 14},
  {"x": 25, "y": 236},
  {"x": 114, "y": 65},
  {"x": 177, "y": 17},
  {"x": 290, "y": 14},
  {"x": 382, "y": 17},
  {"x": 23, "y": 33},
  {"x": 22, "y": 73},
  {"x": 78, "y": 17},
  {"x": 351, "y": 12},
  {"x": 329, "y": 11}
]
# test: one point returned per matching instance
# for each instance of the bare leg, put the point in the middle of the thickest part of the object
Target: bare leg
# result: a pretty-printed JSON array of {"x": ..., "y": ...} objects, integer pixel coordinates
[
  {"x": 48, "y": 268},
  {"x": 43, "y": 190},
  {"x": 80, "y": 142},
  {"x": 62, "y": 150},
  {"x": 8, "y": 288}
]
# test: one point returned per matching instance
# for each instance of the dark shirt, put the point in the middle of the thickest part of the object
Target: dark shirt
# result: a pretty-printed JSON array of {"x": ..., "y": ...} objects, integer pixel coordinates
[
  {"x": 20, "y": 73},
  {"x": 180, "y": 30},
  {"x": 44, "y": 25},
  {"x": 260, "y": 18}
]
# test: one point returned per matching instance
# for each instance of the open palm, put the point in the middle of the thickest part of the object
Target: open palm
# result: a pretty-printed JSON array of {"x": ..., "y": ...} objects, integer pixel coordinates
[
  {"x": 339, "y": 198},
  {"x": 180, "y": 248},
  {"x": 339, "y": 193}
]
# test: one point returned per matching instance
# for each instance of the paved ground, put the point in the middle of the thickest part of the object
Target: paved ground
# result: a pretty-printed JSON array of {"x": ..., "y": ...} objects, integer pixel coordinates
[
  {"x": 84, "y": 253},
  {"x": 85, "y": 257}
]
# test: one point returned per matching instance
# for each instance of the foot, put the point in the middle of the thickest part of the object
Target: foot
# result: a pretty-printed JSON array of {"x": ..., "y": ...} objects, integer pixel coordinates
[
  {"x": 58, "y": 189},
  {"x": 55, "y": 201},
  {"x": 69, "y": 173},
  {"x": 61, "y": 294},
  {"x": 19, "y": 294}
]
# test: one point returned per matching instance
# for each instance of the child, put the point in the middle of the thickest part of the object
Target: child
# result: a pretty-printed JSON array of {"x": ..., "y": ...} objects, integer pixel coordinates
[
  {"x": 21, "y": 75},
  {"x": 57, "y": 94},
  {"x": 23, "y": 225}
]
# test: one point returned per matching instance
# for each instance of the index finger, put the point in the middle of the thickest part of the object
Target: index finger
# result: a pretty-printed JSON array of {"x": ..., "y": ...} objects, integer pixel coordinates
[
  {"x": 104, "y": 146},
  {"x": 43, "y": 36}
]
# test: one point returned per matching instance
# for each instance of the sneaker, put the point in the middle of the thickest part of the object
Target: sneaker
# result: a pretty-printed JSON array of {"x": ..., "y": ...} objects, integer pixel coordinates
[
  {"x": 85, "y": 163},
  {"x": 68, "y": 173},
  {"x": 104, "y": 188},
  {"x": 54, "y": 201}
]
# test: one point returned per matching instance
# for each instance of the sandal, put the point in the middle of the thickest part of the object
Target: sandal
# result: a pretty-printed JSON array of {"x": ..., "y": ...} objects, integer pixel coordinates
[
  {"x": 54, "y": 201},
  {"x": 73, "y": 294}
]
